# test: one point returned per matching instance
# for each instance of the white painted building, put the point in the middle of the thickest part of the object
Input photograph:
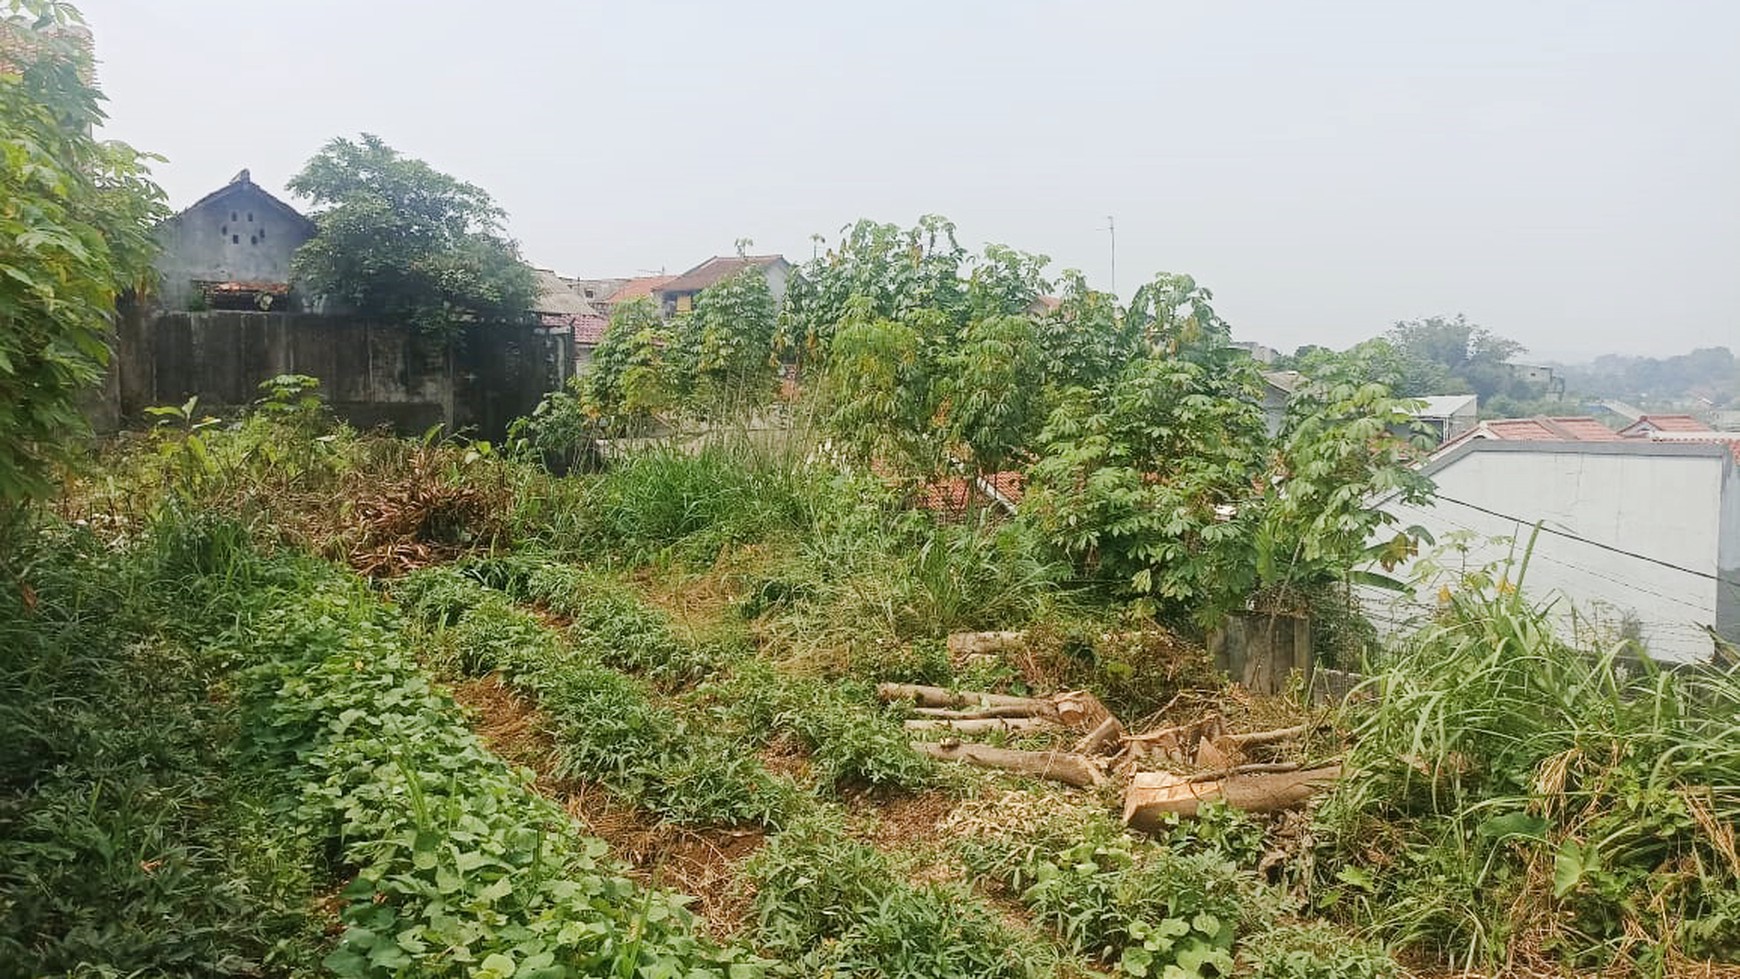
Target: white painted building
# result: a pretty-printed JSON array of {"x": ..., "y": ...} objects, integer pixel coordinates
[
  {"x": 1639, "y": 538},
  {"x": 1449, "y": 415}
]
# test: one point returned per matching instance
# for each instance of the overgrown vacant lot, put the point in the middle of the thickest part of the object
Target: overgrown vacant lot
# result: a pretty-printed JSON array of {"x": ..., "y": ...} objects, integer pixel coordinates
[{"x": 283, "y": 699}]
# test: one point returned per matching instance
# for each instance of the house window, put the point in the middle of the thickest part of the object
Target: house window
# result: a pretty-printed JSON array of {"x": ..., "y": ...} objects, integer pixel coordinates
[
  {"x": 232, "y": 215},
  {"x": 235, "y": 239},
  {"x": 253, "y": 239},
  {"x": 685, "y": 303},
  {"x": 250, "y": 217}
]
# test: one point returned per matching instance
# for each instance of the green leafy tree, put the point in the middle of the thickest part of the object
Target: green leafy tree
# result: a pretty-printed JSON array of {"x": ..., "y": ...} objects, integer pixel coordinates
[
  {"x": 629, "y": 378},
  {"x": 881, "y": 270},
  {"x": 1471, "y": 353},
  {"x": 879, "y": 391},
  {"x": 993, "y": 386},
  {"x": 1149, "y": 480},
  {"x": 1165, "y": 478},
  {"x": 1086, "y": 340},
  {"x": 406, "y": 243},
  {"x": 725, "y": 347},
  {"x": 1404, "y": 372},
  {"x": 75, "y": 231}
]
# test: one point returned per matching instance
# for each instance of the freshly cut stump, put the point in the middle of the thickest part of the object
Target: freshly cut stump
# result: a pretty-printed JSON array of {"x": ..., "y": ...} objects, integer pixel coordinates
[{"x": 1152, "y": 795}]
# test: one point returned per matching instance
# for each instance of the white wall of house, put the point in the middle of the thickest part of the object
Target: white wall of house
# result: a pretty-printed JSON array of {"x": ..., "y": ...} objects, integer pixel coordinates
[{"x": 1644, "y": 532}]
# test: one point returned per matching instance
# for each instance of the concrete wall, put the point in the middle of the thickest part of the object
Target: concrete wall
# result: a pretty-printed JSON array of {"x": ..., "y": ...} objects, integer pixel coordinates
[
  {"x": 1728, "y": 560},
  {"x": 1676, "y": 507},
  {"x": 370, "y": 374},
  {"x": 240, "y": 235}
]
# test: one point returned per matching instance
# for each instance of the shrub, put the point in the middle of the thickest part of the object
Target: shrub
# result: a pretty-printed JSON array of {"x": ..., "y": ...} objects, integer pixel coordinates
[{"x": 1170, "y": 908}]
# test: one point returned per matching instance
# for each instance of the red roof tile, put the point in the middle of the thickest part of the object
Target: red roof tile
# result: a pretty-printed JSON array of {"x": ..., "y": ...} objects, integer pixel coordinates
[
  {"x": 948, "y": 496},
  {"x": 588, "y": 330},
  {"x": 716, "y": 268},
  {"x": 1663, "y": 423},
  {"x": 1582, "y": 429},
  {"x": 639, "y": 288},
  {"x": 1538, "y": 429}
]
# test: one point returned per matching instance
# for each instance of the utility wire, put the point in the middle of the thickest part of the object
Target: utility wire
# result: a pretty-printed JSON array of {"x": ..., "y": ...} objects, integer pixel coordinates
[{"x": 1592, "y": 543}]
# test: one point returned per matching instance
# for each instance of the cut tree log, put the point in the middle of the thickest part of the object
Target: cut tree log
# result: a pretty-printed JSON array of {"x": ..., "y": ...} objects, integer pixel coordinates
[
  {"x": 924, "y": 696},
  {"x": 1269, "y": 737},
  {"x": 1080, "y": 709},
  {"x": 1152, "y": 795},
  {"x": 980, "y": 725},
  {"x": 1094, "y": 742},
  {"x": 1061, "y": 766},
  {"x": 1252, "y": 769},
  {"x": 945, "y": 713},
  {"x": 1180, "y": 743}
]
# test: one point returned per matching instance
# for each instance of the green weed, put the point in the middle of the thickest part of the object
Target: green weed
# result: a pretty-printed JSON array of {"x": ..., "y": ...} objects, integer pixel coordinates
[
  {"x": 834, "y": 906},
  {"x": 1516, "y": 796}
]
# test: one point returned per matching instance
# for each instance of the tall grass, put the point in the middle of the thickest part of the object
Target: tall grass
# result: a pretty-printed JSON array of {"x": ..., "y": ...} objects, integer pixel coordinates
[
  {"x": 669, "y": 501},
  {"x": 1515, "y": 798}
]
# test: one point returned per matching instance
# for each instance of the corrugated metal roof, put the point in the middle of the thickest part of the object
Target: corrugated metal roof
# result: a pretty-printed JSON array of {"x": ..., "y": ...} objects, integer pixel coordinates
[{"x": 1444, "y": 405}]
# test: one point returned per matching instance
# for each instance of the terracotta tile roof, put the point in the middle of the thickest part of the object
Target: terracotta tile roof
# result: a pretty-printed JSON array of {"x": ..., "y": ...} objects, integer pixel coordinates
[
  {"x": 1663, "y": 423},
  {"x": 1538, "y": 429},
  {"x": 1708, "y": 437},
  {"x": 1583, "y": 429},
  {"x": 588, "y": 330},
  {"x": 639, "y": 288},
  {"x": 716, "y": 268},
  {"x": 948, "y": 496}
]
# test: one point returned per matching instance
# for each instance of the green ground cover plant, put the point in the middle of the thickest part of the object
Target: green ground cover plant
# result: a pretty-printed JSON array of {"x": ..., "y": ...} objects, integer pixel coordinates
[
  {"x": 460, "y": 868},
  {"x": 607, "y": 726}
]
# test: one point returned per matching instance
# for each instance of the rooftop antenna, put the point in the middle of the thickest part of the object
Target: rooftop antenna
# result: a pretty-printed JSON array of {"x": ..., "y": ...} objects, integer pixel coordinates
[{"x": 1112, "y": 236}]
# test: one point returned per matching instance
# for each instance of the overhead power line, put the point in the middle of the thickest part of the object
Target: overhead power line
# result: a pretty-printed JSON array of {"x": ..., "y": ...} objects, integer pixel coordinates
[{"x": 1592, "y": 543}]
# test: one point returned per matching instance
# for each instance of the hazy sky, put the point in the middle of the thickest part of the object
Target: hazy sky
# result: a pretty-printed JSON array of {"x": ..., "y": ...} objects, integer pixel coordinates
[{"x": 1567, "y": 174}]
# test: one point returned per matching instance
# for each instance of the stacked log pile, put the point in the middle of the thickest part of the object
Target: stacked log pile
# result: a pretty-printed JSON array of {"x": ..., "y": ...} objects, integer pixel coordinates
[{"x": 1218, "y": 764}]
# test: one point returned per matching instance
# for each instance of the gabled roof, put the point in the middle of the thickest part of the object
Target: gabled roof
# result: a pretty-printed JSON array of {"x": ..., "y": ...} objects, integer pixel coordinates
[
  {"x": 241, "y": 183},
  {"x": 639, "y": 288},
  {"x": 1663, "y": 423},
  {"x": 1538, "y": 429},
  {"x": 716, "y": 268},
  {"x": 1728, "y": 440},
  {"x": 555, "y": 297}
]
